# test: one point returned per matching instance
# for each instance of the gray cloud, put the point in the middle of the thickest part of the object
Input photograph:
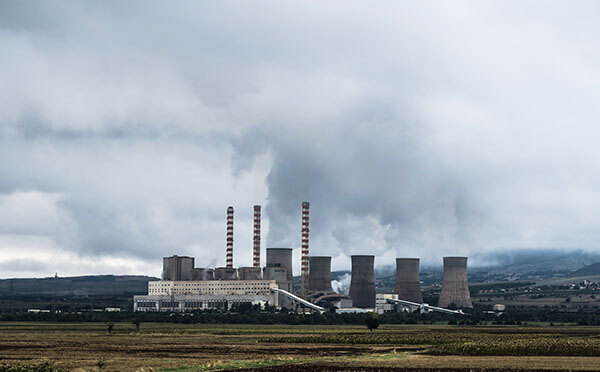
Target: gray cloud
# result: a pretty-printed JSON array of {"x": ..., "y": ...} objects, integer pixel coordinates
[{"x": 414, "y": 129}]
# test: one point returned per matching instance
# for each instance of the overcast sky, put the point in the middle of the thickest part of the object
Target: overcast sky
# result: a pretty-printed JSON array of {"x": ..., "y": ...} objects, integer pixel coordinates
[{"x": 415, "y": 129}]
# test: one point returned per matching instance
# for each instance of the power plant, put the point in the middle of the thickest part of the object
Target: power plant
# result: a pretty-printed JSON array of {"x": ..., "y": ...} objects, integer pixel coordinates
[
  {"x": 408, "y": 285},
  {"x": 184, "y": 287},
  {"x": 455, "y": 288}
]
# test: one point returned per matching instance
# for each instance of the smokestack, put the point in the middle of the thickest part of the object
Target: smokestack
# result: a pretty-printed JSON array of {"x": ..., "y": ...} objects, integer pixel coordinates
[
  {"x": 362, "y": 283},
  {"x": 256, "y": 236},
  {"x": 320, "y": 274},
  {"x": 229, "y": 237},
  {"x": 408, "y": 286},
  {"x": 305, "y": 231},
  {"x": 455, "y": 288}
]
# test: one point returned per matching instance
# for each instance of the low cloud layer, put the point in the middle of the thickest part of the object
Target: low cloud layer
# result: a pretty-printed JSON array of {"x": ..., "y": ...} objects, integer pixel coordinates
[{"x": 423, "y": 130}]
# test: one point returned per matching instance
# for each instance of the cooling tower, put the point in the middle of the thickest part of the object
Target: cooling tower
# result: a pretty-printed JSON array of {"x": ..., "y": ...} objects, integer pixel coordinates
[
  {"x": 455, "y": 288},
  {"x": 408, "y": 286},
  {"x": 362, "y": 284},
  {"x": 177, "y": 268},
  {"x": 250, "y": 273},
  {"x": 225, "y": 273},
  {"x": 319, "y": 277},
  {"x": 281, "y": 257}
]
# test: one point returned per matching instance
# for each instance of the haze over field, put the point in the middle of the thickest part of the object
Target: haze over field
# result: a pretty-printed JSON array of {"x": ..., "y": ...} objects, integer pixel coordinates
[{"x": 414, "y": 129}]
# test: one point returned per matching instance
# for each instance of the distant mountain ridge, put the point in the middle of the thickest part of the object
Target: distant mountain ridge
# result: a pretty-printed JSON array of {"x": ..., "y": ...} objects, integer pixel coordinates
[
  {"x": 535, "y": 260},
  {"x": 88, "y": 285},
  {"x": 590, "y": 270}
]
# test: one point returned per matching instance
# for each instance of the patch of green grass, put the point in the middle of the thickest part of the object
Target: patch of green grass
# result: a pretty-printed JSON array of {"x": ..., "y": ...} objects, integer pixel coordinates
[
  {"x": 489, "y": 341},
  {"x": 239, "y": 364},
  {"x": 29, "y": 368}
]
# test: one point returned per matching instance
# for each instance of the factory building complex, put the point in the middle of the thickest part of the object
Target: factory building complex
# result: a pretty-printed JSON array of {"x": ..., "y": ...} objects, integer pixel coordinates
[{"x": 184, "y": 287}]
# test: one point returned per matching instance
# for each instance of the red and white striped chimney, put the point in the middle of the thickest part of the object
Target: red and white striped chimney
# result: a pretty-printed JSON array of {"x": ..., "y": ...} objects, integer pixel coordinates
[
  {"x": 229, "y": 237},
  {"x": 256, "y": 236},
  {"x": 305, "y": 231}
]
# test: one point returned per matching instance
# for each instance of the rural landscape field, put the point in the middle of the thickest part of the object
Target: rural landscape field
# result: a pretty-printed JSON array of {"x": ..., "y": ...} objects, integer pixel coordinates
[{"x": 175, "y": 347}]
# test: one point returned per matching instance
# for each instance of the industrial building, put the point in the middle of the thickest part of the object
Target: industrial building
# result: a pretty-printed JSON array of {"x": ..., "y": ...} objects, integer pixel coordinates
[
  {"x": 222, "y": 287},
  {"x": 204, "y": 295},
  {"x": 279, "y": 268},
  {"x": 185, "y": 288},
  {"x": 382, "y": 305},
  {"x": 177, "y": 268}
]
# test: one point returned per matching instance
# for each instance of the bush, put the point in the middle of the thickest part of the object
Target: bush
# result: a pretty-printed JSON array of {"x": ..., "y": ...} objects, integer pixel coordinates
[{"x": 372, "y": 321}]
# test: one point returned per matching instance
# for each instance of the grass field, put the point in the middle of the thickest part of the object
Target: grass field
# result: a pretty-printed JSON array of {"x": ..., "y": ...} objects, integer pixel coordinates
[{"x": 173, "y": 347}]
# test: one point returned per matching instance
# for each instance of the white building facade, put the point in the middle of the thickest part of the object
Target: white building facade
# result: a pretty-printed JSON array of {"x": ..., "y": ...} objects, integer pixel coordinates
[{"x": 182, "y": 296}]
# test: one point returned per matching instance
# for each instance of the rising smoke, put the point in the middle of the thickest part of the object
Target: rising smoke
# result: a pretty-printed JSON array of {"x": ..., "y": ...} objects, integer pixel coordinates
[{"x": 342, "y": 284}]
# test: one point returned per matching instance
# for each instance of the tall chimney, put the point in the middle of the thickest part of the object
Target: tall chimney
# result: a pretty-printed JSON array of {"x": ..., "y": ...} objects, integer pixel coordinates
[
  {"x": 256, "y": 236},
  {"x": 229, "y": 237},
  {"x": 305, "y": 231}
]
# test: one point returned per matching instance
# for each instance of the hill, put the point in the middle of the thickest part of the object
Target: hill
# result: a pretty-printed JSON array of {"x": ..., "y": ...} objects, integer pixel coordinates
[
  {"x": 91, "y": 285},
  {"x": 590, "y": 270}
]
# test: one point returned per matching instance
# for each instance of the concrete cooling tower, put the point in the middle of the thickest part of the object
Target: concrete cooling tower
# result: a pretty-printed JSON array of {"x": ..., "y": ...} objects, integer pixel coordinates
[
  {"x": 408, "y": 286},
  {"x": 319, "y": 277},
  {"x": 455, "y": 288},
  {"x": 362, "y": 284}
]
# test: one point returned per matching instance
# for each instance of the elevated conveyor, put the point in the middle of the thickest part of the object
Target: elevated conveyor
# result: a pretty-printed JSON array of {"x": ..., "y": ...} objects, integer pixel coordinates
[
  {"x": 425, "y": 307},
  {"x": 298, "y": 299}
]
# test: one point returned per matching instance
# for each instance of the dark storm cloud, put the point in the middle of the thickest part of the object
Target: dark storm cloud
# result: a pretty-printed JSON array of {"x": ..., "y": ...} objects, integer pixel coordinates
[{"x": 127, "y": 128}]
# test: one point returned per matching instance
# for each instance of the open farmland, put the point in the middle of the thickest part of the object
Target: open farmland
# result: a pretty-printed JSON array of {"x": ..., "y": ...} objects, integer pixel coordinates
[{"x": 174, "y": 347}]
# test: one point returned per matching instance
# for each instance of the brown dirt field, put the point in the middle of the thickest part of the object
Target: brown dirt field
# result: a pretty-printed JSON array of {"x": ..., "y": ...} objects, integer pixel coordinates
[
  {"x": 318, "y": 368},
  {"x": 123, "y": 352},
  {"x": 184, "y": 348}
]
